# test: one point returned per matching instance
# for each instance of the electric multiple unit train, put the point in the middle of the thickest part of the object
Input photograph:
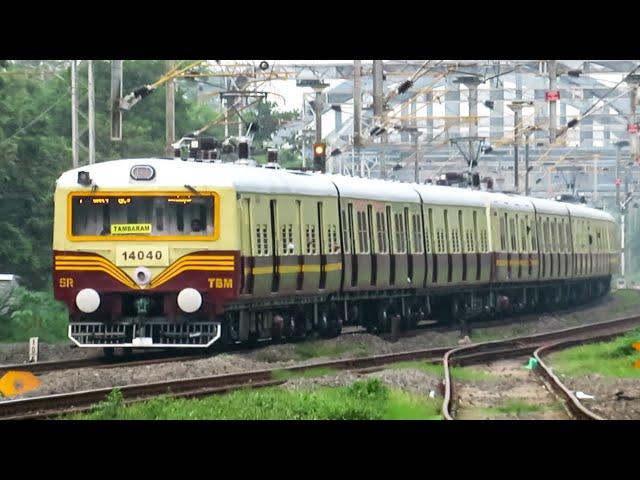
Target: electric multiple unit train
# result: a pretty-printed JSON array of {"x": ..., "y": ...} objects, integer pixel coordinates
[{"x": 171, "y": 253}]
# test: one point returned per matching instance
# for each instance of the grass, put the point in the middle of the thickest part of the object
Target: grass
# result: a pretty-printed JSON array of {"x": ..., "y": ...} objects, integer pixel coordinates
[
  {"x": 514, "y": 407},
  {"x": 459, "y": 373},
  {"x": 610, "y": 359},
  {"x": 307, "y": 350},
  {"x": 363, "y": 400}
]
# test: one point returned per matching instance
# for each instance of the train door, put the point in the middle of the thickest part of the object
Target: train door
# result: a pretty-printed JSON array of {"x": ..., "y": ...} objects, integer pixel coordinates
[
  {"x": 372, "y": 251},
  {"x": 247, "y": 259},
  {"x": 346, "y": 247},
  {"x": 515, "y": 246},
  {"x": 399, "y": 248},
  {"x": 354, "y": 257},
  {"x": 310, "y": 247},
  {"x": 533, "y": 242},
  {"x": 299, "y": 240},
  {"x": 322, "y": 248},
  {"x": 275, "y": 264},
  {"x": 475, "y": 245},
  {"x": 433, "y": 236},
  {"x": 507, "y": 246},
  {"x": 463, "y": 249},
  {"x": 385, "y": 262},
  {"x": 447, "y": 245},
  {"x": 569, "y": 241},
  {"x": 364, "y": 249},
  {"x": 406, "y": 276},
  {"x": 524, "y": 248},
  {"x": 262, "y": 240},
  {"x": 418, "y": 251}
]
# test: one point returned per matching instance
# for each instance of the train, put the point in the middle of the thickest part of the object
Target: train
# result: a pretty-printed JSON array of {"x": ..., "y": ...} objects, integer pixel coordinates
[{"x": 163, "y": 253}]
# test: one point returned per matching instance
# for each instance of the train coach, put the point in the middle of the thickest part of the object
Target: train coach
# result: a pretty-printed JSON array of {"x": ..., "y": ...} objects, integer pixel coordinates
[{"x": 171, "y": 253}]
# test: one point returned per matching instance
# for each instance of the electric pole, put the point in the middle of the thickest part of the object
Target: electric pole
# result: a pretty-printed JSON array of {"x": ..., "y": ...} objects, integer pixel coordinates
[
  {"x": 116, "y": 95},
  {"x": 92, "y": 108},
  {"x": 170, "y": 111},
  {"x": 378, "y": 108},
  {"x": 74, "y": 113},
  {"x": 552, "y": 102},
  {"x": 357, "y": 103}
]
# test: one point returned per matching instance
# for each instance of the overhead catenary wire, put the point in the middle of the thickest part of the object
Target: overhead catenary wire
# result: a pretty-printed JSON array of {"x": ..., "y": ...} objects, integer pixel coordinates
[{"x": 37, "y": 118}]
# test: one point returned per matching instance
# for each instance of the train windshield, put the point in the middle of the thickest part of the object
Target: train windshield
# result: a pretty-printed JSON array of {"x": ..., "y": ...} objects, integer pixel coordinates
[{"x": 125, "y": 216}]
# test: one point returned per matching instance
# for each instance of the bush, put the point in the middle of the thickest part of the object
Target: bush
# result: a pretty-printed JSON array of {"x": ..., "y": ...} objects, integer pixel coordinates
[{"x": 33, "y": 314}]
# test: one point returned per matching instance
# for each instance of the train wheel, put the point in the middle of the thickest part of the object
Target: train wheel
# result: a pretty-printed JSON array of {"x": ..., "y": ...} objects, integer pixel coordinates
[
  {"x": 411, "y": 320},
  {"x": 383, "y": 319},
  {"x": 456, "y": 311},
  {"x": 109, "y": 352},
  {"x": 277, "y": 328},
  {"x": 300, "y": 326},
  {"x": 330, "y": 325},
  {"x": 252, "y": 340}
]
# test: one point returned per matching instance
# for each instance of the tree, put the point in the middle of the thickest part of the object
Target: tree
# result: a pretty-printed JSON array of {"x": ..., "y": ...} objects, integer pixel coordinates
[{"x": 35, "y": 143}]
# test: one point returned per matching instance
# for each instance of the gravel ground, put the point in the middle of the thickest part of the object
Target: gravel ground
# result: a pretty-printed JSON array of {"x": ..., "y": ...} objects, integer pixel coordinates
[
  {"x": 606, "y": 403},
  {"x": 509, "y": 382},
  {"x": 408, "y": 379},
  {"x": 277, "y": 356},
  {"x": 19, "y": 352}
]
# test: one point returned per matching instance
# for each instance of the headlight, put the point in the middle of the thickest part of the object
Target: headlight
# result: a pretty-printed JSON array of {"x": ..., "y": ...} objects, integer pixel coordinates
[
  {"x": 189, "y": 300},
  {"x": 142, "y": 275},
  {"x": 88, "y": 300}
]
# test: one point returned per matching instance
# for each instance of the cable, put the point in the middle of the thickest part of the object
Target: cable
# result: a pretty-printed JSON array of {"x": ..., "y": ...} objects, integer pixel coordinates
[{"x": 22, "y": 129}]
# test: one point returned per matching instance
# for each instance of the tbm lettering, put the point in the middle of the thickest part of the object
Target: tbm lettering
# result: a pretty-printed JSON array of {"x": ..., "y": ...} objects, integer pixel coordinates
[{"x": 220, "y": 282}]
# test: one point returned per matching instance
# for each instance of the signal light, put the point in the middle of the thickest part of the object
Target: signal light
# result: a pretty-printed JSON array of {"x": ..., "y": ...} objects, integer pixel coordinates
[
  {"x": 84, "y": 178},
  {"x": 319, "y": 156}
]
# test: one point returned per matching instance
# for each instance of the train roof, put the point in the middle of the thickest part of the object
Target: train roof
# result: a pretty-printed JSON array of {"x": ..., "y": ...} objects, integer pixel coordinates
[
  {"x": 586, "y": 212},
  {"x": 374, "y": 189},
  {"x": 549, "y": 207},
  {"x": 176, "y": 173},
  {"x": 441, "y": 195},
  {"x": 170, "y": 173}
]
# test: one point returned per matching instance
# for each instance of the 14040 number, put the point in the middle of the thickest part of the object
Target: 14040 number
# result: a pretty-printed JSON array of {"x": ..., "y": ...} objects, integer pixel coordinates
[
  {"x": 134, "y": 256},
  {"x": 142, "y": 255}
]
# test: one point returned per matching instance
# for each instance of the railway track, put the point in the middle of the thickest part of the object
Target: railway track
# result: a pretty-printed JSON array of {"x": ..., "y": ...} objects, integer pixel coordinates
[
  {"x": 53, "y": 405},
  {"x": 149, "y": 358},
  {"x": 577, "y": 409},
  {"x": 535, "y": 345}
]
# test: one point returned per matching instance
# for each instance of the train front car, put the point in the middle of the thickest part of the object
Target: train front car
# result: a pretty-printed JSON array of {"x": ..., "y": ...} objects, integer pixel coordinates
[{"x": 145, "y": 253}]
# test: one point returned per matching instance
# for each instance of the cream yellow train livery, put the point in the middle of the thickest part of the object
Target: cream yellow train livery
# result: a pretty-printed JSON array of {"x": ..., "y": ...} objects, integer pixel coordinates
[{"x": 171, "y": 253}]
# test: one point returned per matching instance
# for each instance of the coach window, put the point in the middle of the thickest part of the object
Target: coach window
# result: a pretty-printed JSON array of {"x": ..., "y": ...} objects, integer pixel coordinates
[
  {"x": 503, "y": 227},
  {"x": 400, "y": 241},
  {"x": 332, "y": 239},
  {"x": 523, "y": 235},
  {"x": 416, "y": 224},
  {"x": 512, "y": 235},
  {"x": 380, "y": 231},
  {"x": 311, "y": 240},
  {"x": 547, "y": 236},
  {"x": 363, "y": 239},
  {"x": 532, "y": 232},
  {"x": 554, "y": 240},
  {"x": 286, "y": 239},
  {"x": 446, "y": 240},
  {"x": 431, "y": 246},
  {"x": 262, "y": 240}
]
